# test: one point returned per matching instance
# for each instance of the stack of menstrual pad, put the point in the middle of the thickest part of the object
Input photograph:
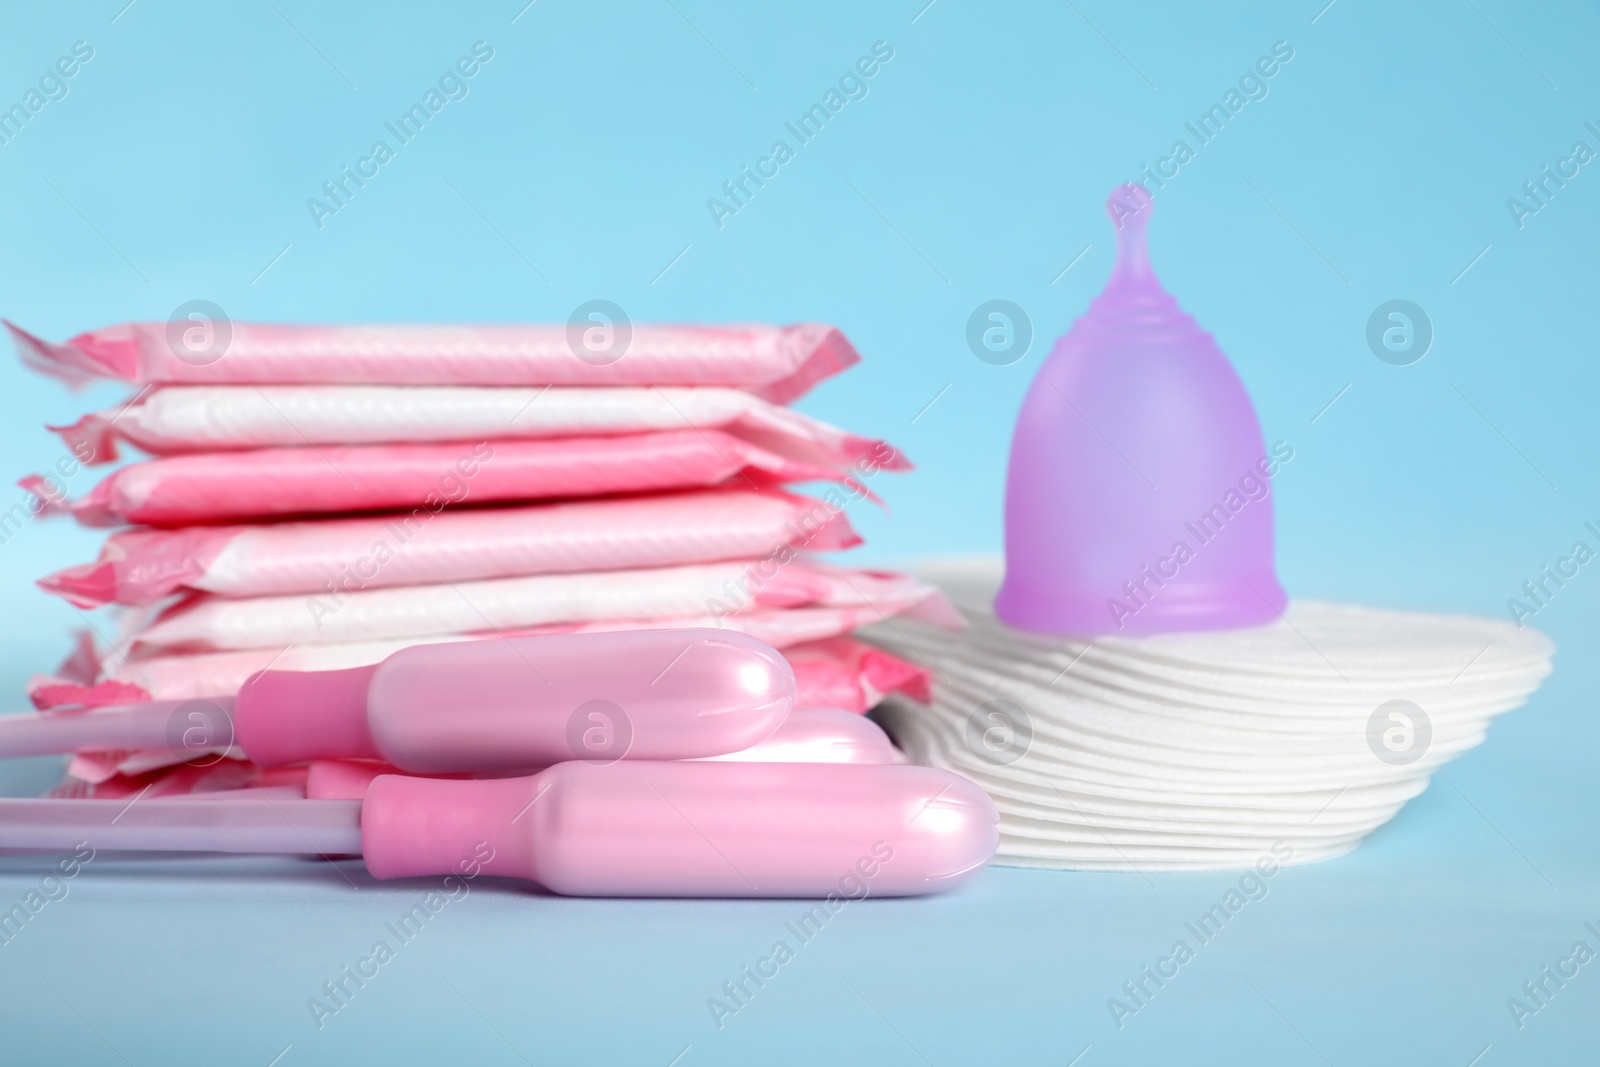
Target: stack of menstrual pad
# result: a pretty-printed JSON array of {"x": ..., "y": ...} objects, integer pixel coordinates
[
  {"x": 319, "y": 497},
  {"x": 1196, "y": 751}
]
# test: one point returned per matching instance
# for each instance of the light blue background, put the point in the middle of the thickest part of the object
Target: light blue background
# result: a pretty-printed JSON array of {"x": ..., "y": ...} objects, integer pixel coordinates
[{"x": 1378, "y": 167}]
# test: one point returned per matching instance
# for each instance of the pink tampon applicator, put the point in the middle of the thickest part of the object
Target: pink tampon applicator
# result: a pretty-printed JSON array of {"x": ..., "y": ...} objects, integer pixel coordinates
[
  {"x": 491, "y": 705},
  {"x": 632, "y": 828},
  {"x": 808, "y": 735}
]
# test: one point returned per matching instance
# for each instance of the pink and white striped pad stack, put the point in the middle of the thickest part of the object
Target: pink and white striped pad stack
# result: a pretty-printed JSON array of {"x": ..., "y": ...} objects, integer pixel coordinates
[{"x": 318, "y": 497}]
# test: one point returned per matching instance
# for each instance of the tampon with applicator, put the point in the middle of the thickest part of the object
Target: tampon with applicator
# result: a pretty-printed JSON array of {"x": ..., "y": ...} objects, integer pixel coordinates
[
  {"x": 492, "y": 705},
  {"x": 808, "y": 735},
  {"x": 820, "y": 735},
  {"x": 632, "y": 828}
]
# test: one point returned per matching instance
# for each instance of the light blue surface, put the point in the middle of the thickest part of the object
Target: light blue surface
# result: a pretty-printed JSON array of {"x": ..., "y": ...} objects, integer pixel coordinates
[{"x": 1378, "y": 167}]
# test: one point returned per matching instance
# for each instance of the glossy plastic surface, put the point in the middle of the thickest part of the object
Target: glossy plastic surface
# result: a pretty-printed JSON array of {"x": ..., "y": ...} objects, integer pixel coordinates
[
  {"x": 690, "y": 829},
  {"x": 776, "y": 362},
  {"x": 1138, "y": 497},
  {"x": 143, "y": 566},
  {"x": 808, "y": 735},
  {"x": 821, "y": 735},
  {"x": 521, "y": 702},
  {"x": 211, "y": 487}
]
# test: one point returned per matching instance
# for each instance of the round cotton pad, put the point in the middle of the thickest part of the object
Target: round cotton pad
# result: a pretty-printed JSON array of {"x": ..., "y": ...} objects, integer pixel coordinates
[{"x": 1206, "y": 750}]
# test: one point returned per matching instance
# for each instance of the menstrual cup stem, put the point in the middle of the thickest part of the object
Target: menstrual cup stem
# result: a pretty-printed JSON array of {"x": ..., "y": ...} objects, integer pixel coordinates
[{"x": 1129, "y": 207}]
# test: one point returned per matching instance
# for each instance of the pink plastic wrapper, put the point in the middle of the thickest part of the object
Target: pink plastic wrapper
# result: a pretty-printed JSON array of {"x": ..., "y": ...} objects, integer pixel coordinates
[
  {"x": 112, "y": 775},
  {"x": 76, "y": 682},
  {"x": 205, "y": 623},
  {"x": 169, "y": 676},
  {"x": 50, "y": 691},
  {"x": 841, "y": 672},
  {"x": 280, "y": 482},
  {"x": 142, "y": 566},
  {"x": 180, "y": 420},
  {"x": 778, "y": 363}
]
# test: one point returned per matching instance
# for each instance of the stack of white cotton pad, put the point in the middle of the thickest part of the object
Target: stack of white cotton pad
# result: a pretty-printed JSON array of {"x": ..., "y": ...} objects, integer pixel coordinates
[{"x": 1203, "y": 750}]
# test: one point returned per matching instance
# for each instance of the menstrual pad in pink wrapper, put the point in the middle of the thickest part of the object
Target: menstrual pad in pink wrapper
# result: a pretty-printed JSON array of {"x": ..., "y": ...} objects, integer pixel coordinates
[
  {"x": 827, "y": 675},
  {"x": 101, "y": 779},
  {"x": 1138, "y": 498},
  {"x": 723, "y": 590},
  {"x": 270, "y": 482},
  {"x": 178, "y": 420},
  {"x": 841, "y": 672},
  {"x": 778, "y": 363},
  {"x": 143, "y": 566}
]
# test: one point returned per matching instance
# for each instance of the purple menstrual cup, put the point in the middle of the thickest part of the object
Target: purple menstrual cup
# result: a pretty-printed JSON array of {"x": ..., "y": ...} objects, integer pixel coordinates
[{"x": 1138, "y": 499}]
